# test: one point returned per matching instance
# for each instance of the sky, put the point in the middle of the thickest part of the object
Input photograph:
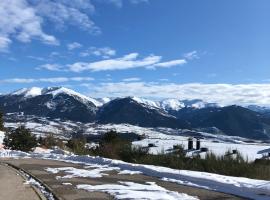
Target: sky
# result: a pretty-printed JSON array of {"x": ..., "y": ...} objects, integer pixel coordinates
[{"x": 218, "y": 51}]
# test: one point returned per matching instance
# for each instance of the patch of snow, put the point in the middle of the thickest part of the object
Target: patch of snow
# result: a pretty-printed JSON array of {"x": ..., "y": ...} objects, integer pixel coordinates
[
  {"x": 42, "y": 189},
  {"x": 74, "y": 172},
  {"x": 41, "y": 150},
  {"x": 129, "y": 172},
  {"x": 104, "y": 100},
  {"x": 66, "y": 183},
  {"x": 131, "y": 190},
  {"x": 2, "y": 136}
]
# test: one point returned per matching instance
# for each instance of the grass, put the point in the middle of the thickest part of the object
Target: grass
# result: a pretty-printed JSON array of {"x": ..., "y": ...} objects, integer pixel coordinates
[{"x": 114, "y": 147}]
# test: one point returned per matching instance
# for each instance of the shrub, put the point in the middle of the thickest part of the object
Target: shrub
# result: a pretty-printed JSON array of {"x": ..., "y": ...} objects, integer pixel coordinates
[
  {"x": 77, "y": 145},
  {"x": 20, "y": 139},
  {"x": 110, "y": 136},
  {"x": 50, "y": 141}
]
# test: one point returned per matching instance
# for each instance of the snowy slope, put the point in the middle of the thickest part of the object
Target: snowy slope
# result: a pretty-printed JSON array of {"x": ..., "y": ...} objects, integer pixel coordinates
[
  {"x": 146, "y": 102},
  {"x": 28, "y": 92}
]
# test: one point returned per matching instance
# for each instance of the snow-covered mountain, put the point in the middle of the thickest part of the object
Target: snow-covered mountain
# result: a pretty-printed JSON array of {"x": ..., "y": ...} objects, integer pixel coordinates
[
  {"x": 137, "y": 111},
  {"x": 54, "y": 102},
  {"x": 54, "y": 91},
  {"x": 176, "y": 104},
  {"x": 65, "y": 104}
]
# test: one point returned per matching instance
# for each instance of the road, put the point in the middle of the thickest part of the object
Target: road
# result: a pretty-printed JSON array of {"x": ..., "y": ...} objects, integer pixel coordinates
[
  {"x": 36, "y": 167},
  {"x": 12, "y": 186}
]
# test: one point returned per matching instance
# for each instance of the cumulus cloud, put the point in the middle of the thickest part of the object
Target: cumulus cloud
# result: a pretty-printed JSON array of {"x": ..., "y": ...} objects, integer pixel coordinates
[
  {"x": 104, "y": 52},
  {"x": 48, "y": 80},
  {"x": 74, "y": 45},
  {"x": 23, "y": 20},
  {"x": 19, "y": 20},
  {"x": 225, "y": 94},
  {"x": 65, "y": 12}
]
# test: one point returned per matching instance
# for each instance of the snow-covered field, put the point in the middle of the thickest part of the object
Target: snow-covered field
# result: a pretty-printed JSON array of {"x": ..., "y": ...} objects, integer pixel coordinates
[
  {"x": 97, "y": 166},
  {"x": 163, "y": 138},
  {"x": 165, "y": 144}
]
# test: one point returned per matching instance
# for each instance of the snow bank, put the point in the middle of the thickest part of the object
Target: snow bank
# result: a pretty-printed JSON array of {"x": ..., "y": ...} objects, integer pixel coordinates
[
  {"x": 130, "y": 190},
  {"x": 2, "y": 136},
  {"x": 245, "y": 187}
]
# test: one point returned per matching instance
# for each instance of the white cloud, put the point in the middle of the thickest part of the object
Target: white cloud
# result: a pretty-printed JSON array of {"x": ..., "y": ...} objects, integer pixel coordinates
[
  {"x": 119, "y": 3},
  {"x": 65, "y": 12},
  {"x": 37, "y": 58},
  {"x": 126, "y": 62},
  {"x": 104, "y": 52},
  {"x": 129, "y": 61},
  {"x": 212, "y": 75},
  {"x": 225, "y": 94},
  {"x": 19, "y": 20},
  {"x": 4, "y": 43},
  {"x": 50, "y": 67},
  {"x": 191, "y": 55},
  {"x": 74, "y": 45},
  {"x": 23, "y": 20},
  {"x": 171, "y": 63},
  {"x": 132, "y": 79},
  {"x": 49, "y": 80}
]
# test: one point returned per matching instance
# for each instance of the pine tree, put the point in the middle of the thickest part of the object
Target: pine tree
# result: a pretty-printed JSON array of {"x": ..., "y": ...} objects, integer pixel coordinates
[
  {"x": 1, "y": 122},
  {"x": 20, "y": 139}
]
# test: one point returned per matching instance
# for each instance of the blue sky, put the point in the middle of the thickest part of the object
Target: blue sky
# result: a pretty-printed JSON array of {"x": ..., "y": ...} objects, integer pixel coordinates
[{"x": 150, "y": 48}]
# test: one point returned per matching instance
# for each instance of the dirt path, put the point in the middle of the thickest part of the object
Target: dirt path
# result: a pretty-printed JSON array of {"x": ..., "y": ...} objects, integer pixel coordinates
[
  {"x": 37, "y": 167},
  {"x": 12, "y": 186}
]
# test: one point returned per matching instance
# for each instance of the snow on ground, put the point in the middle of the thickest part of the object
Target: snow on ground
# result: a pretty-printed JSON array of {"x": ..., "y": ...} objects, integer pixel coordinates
[
  {"x": 163, "y": 138},
  {"x": 245, "y": 187},
  {"x": 130, "y": 190},
  {"x": 74, "y": 172},
  {"x": 31, "y": 181},
  {"x": 166, "y": 143},
  {"x": 2, "y": 136},
  {"x": 129, "y": 172}
]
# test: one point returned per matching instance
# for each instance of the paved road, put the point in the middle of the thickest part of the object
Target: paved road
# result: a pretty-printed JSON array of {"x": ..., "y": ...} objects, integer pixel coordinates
[
  {"x": 12, "y": 186},
  {"x": 37, "y": 167}
]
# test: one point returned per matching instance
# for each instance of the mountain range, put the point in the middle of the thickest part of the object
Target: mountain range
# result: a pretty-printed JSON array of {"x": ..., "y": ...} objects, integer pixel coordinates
[{"x": 61, "y": 103}]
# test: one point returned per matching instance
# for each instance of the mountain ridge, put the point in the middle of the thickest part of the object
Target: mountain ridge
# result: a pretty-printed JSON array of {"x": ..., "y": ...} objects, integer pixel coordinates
[{"x": 66, "y": 104}]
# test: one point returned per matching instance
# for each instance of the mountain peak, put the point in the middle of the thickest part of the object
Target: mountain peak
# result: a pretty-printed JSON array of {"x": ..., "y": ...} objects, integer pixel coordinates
[
  {"x": 28, "y": 92},
  {"x": 54, "y": 91}
]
